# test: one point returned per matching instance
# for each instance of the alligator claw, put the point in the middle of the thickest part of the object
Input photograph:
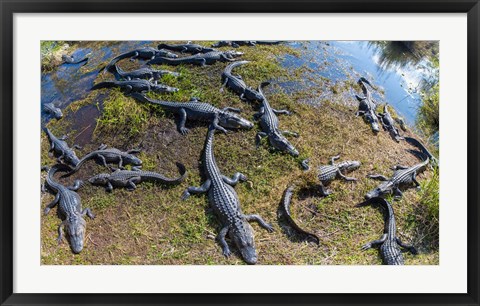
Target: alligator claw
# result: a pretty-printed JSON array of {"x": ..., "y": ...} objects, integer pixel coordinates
[
  {"x": 46, "y": 211},
  {"x": 366, "y": 247},
  {"x": 184, "y": 131},
  {"x": 269, "y": 228},
  {"x": 227, "y": 253},
  {"x": 185, "y": 195}
]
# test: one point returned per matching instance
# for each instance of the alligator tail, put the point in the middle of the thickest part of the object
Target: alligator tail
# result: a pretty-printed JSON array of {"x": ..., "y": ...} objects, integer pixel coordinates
[
  {"x": 51, "y": 172},
  {"x": 117, "y": 59},
  {"x": 365, "y": 81},
  {"x": 420, "y": 155},
  {"x": 414, "y": 142},
  {"x": 163, "y": 179},
  {"x": 84, "y": 159},
  {"x": 229, "y": 68},
  {"x": 107, "y": 84},
  {"x": 116, "y": 71},
  {"x": 285, "y": 210}
]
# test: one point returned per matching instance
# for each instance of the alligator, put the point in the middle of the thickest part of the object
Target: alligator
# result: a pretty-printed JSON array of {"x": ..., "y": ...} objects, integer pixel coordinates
[
  {"x": 388, "y": 124},
  {"x": 269, "y": 126},
  {"x": 142, "y": 73},
  {"x": 52, "y": 110},
  {"x": 402, "y": 123},
  {"x": 104, "y": 155},
  {"x": 61, "y": 150},
  {"x": 238, "y": 43},
  {"x": 328, "y": 173},
  {"x": 224, "y": 201},
  {"x": 67, "y": 59},
  {"x": 389, "y": 242},
  {"x": 186, "y": 48},
  {"x": 401, "y": 176},
  {"x": 130, "y": 86},
  {"x": 367, "y": 106},
  {"x": 200, "y": 59},
  {"x": 236, "y": 83},
  {"x": 285, "y": 210},
  {"x": 414, "y": 142},
  {"x": 129, "y": 178},
  {"x": 147, "y": 53},
  {"x": 69, "y": 209},
  {"x": 220, "y": 118}
]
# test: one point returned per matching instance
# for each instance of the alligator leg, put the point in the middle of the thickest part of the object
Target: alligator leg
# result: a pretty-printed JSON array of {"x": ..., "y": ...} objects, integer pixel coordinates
[
  {"x": 76, "y": 185},
  {"x": 260, "y": 113},
  {"x": 281, "y": 111},
  {"x": 183, "y": 119},
  {"x": 414, "y": 180},
  {"x": 397, "y": 194},
  {"x": 359, "y": 113},
  {"x": 51, "y": 204},
  {"x": 407, "y": 247},
  {"x": 60, "y": 231},
  {"x": 102, "y": 146},
  {"x": 134, "y": 57},
  {"x": 224, "y": 84},
  {"x": 128, "y": 89},
  {"x": 347, "y": 178},
  {"x": 242, "y": 97},
  {"x": 88, "y": 212},
  {"x": 131, "y": 183},
  {"x": 259, "y": 137},
  {"x": 374, "y": 243},
  {"x": 399, "y": 167},
  {"x": 378, "y": 177},
  {"x": 109, "y": 187},
  {"x": 120, "y": 163},
  {"x": 77, "y": 147},
  {"x": 216, "y": 126},
  {"x": 232, "y": 109},
  {"x": 333, "y": 159},
  {"x": 196, "y": 190},
  {"x": 235, "y": 178},
  {"x": 324, "y": 191},
  {"x": 260, "y": 221},
  {"x": 289, "y": 133},
  {"x": 103, "y": 161},
  {"x": 223, "y": 243}
]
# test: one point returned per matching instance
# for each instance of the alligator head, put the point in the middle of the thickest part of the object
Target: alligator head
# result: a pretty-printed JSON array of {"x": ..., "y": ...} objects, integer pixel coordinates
[
  {"x": 76, "y": 233},
  {"x": 349, "y": 165},
  {"x": 233, "y": 121},
  {"x": 242, "y": 236},
  {"x": 279, "y": 142},
  {"x": 132, "y": 160},
  {"x": 71, "y": 158},
  {"x": 99, "y": 179},
  {"x": 252, "y": 94},
  {"x": 168, "y": 54},
  {"x": 163, "y": 88},
  {"x": 382, "y": 189},
  {"x": 232, "y": 53},
  {"x": 372, "y": 119}
]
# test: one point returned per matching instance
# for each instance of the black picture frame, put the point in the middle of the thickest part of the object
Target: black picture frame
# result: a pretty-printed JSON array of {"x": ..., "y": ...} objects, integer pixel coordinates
[{"x": 8, "y": 8}]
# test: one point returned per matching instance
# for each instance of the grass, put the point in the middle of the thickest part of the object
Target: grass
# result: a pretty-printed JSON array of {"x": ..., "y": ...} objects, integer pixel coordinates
[{"x": 153, "y": 226}]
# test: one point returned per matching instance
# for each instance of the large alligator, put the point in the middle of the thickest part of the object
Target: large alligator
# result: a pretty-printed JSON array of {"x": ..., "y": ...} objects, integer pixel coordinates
[
  {"x": 367, "y": 106},
  {"x": 195, "y": 110},
  {"x": 238, "y": 43},
  {"x": 69, "y": 209},
  {"x": 389, "y": 124},
  {"x": 136, "y": 85},
  {"x": 269, "y": 126},
  {"x": 200, "y": 59},
  {"x": 186, "y": 48},
  {"x": 402, "y": 176},
  {"x": 328, "y": 173},
  {"x": 67, "y": 59},
  {"x": 104, "y": 155},
  {"x": 52, "y": 110},
  {"x": 142, "y": 73},
  {"x": 61, "y": 150},
  {"x": 285, "y": 209},
  {"x": 224, "y": 201},
  {"x": 389, "y": 242},
  {"x": 147, "y": 53},
  {"x": 416, "y": 143},
  {"x": 236, "y": 83},
  {"x": 129, "y": 178}
]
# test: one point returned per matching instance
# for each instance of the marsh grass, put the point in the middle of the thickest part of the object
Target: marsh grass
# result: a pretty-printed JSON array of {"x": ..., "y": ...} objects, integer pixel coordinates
[{"x": 153, "y": 226}]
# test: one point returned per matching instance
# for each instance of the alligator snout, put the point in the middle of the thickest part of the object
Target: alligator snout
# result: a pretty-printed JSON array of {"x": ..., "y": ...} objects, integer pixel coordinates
[{"x": 249, "y": 255}]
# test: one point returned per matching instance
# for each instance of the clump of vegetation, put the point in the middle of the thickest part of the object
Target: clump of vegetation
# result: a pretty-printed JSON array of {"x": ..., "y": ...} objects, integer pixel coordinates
[{"x": 49, "y": 51}]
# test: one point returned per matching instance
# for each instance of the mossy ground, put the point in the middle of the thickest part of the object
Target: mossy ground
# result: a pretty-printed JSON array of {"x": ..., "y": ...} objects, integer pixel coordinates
[{"x": 151, "y": 225}]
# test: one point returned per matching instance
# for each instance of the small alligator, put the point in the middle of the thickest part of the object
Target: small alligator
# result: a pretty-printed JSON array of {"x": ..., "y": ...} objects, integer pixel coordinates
[
  {"x": 401, "y": 176},
  {"x": 52, "y": 110},
  {"x": 224, "y": 201},
  {"x": 236, "y": 83},
  {"x": 328, "y": 173},
  {"x": 388, "y": 124},
  {"x": 238, "y": 43},
  {"x": 61, "y": 150},
  {"x": 142, "y": 73},
  {"x": 200, "y": 59},
  {"x": 367, "y": 106},
  {"x": 285, "y": 210},
  {"x": 414, "y": 142},
  {"x": 69, "y": 208},
  {"x": 129, "y": 178},
  {"x": 104, "y": 155},
  {"x": 195, "y": 110},
  {"x": 130, "y": 86},
  {"x": 402, "y": 123},
  {"x": 269, "y": 126},
  {"x": 67, "y": 59},
  {"x": 147, "y": 53},
  {"x": 389, "y": 242},
  {"x": 186, "y": 48}
]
